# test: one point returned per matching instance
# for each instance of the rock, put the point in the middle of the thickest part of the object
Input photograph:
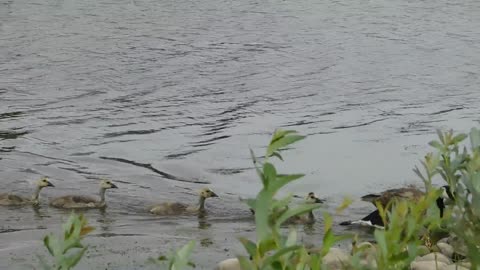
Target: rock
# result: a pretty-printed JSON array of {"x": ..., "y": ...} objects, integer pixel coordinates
[
  {"x": 453, "y": 267},
  {"x": 427, "y": 265},
  {"x": 336, "y": 259},
  {"x": 434, "y": 256},
  {"x": 444, "y": 240},
  {"x": 446, "y": 249},
  {"x": 229, "y": 264}
]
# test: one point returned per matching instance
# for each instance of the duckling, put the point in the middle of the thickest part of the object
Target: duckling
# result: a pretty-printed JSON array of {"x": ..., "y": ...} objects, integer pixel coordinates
[
  {"x": 175, "y": 208},
  {"x": 384, "y": 198},
  {"x": 310, "y": 218},
  {"x": 79, "y": 201},
  {"x": 8, "y": 199}
]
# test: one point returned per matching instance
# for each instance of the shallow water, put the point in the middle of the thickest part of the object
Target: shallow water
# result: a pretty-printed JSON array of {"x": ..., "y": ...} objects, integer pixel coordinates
[{"x": 161, "y": 96}]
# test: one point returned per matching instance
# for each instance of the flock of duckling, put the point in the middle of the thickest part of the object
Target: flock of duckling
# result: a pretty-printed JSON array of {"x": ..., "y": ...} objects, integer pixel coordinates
[
  {"x": 172, "y": 208},
  {"x": 88, "y": 202}
]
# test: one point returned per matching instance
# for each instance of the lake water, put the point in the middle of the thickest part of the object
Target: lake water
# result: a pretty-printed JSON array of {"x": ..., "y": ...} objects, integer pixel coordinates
[{"x": 162, "y": 96}]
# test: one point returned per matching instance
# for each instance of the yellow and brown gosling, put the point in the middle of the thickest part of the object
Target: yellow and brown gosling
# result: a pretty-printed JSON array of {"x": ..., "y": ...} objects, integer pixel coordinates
[
  {"x": 80, "y": 201},
  {"x": 176, "y": 208},
  {"x": 9, "y": 199},
  {"x": 309, "y": 218}
]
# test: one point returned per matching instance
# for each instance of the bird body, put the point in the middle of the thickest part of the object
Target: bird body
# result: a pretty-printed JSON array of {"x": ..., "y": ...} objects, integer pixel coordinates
[
  {"x": 80, "y": 201},
  {"x": 386, "y": 198},
  {"x": 9, "y": 199},
  {"x": 175, "y": 208}
]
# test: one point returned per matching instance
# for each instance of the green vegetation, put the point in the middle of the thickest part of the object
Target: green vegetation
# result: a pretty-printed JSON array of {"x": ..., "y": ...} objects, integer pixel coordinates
[
  {"x": 412, "y": 228},
  {"x": 66, "y": 251}
]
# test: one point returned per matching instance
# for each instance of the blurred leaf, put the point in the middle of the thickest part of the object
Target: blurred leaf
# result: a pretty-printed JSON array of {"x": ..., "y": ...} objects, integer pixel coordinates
[
  {"x": 292, "y": 238},
  {"x": 277, "y": 154},
  {"x": 475, "y": 138},
  {"x": 280, "y": 253},
  {"x": 282, "y": 180},
  {"x": 269, "y": 173},
  {"x": 250, "y": 246},
  {"x": 459, "y": 138},
  {"x": 345, "y": 203},
  {"x": 282, "y": 143},
  {"x": 70, "y": 262},
  {"x": 245, "y": 264},
  {"x": 436, "y": 144},
  {"x": 266, "y": 245}
]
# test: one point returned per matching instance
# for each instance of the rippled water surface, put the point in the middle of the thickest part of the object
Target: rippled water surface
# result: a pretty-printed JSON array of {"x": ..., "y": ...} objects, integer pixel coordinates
[{"x": 165, "y": 96}]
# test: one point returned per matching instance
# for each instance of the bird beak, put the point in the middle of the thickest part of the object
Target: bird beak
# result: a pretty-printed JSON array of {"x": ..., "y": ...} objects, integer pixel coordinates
[
  {"x": 114, "y": 186},
  {"x": 50, "y": 185},
  {"x": 317, "y": 200},
  {"x": 214, "y": 194}
]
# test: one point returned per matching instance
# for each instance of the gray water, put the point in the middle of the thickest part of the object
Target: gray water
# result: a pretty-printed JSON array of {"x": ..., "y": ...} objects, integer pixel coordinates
[{"x": 165, "y": 96}]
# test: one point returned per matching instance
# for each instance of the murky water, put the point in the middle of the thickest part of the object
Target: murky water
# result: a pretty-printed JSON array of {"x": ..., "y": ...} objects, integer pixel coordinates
[{"x": 161, "y": 96}]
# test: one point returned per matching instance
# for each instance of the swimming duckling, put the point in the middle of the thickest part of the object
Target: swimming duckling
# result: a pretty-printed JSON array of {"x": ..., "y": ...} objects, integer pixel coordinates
[
  {"x": 384, "y": 198},
  {"x": 8, "y": 199},
  {"x": 175, "y": 208},
  {"x": 310, "y": 218},
  {"x": 80, "y": 201}
]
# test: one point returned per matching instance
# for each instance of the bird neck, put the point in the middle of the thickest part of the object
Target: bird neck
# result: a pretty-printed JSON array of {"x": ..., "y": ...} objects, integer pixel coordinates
[
  {"x": 36, "y": 194},
  {"x": 201, "y": 203},
  {"x": 102, "y": 195},
  {"x": 311, "y": 217},
  {"x": 440, "y": 205}
]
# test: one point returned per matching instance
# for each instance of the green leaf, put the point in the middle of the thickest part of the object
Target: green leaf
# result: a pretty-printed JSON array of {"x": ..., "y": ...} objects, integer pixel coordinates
[
  {"x": 250, "y": 246},
  {"x": 185, "y": 252},
  {"x": 280, "y": 253},
  {"x": 47, "y": 240},
  {"x": 277, "y": 154},
  {"x": 475, "y": 138},
  {"x": 459, "y": 138},
  {"x": 279, "y": 133},
  {"x": 282, "y": 143},
  {"x": 266, "y": 245},
  {"x": 381, "y": 241},
  {"x": 263, "y": 201},
  {"x": 269, "y": 173},
  {"x": 440, "y": 136},
  {"x": 245, "y": 264},
  {"x": 437, "y": 145},
  {"x": 292, "y": 238},
  {"x": 282, "y": 180},
  {"x": 73, "y": 260}
]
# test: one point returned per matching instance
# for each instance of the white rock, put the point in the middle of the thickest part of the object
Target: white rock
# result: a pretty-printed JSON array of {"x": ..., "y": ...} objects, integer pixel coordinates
[
  {"x": 426, "y": 265},
  {"x": 446, "y": 249},
  {"x": 229, "y": 264},
  {"x": 434, "y": 256},
  {"x": 336, "y": 259},
  {"x": 454, "y": 267},
  {"x": 444, "y": 240}
]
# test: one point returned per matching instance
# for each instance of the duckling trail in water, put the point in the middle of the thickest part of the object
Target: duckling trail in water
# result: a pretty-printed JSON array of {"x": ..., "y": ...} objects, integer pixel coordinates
[
  {"x": 78, "y": 201},
  {"x": 8, "y": 199},
  {"x": 175, "y": 208}
]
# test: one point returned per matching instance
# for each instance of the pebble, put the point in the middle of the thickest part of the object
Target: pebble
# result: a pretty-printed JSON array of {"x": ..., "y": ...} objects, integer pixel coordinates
[
  {"x": 336, "y": 259},
  {"x": 446, "y": 249},
  {"x": 427, "y": 265},
  {"x": 434, "y": 256},
  {"x": 229, "y": 264}
]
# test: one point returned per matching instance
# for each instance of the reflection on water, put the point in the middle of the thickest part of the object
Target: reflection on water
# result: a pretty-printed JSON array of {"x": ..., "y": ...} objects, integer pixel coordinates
[{"x": 166, "y": 97}]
